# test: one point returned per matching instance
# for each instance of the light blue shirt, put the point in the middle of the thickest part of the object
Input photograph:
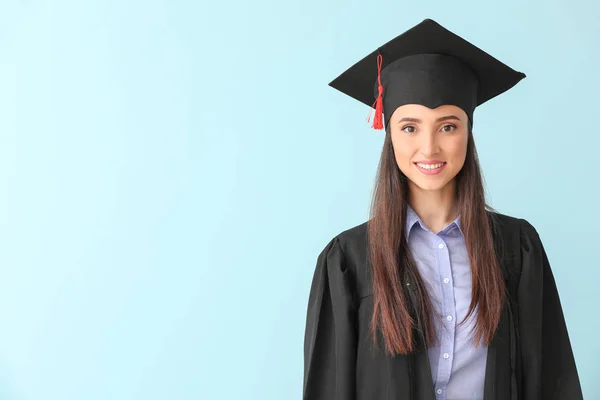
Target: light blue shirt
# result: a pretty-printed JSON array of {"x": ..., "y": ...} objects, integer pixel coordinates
[{"x": 457, "y": 367}]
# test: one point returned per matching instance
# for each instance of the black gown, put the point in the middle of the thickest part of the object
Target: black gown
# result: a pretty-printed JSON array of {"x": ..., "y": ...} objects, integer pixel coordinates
[{"x": 530, "y": 357}]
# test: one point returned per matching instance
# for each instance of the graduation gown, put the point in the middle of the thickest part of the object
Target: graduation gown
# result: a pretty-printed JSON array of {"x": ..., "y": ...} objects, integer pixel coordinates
[{"x": 530, "y": 357}]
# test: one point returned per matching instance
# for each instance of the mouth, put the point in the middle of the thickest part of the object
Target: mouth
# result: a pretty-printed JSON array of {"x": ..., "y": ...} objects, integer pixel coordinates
[{"x": 430, "y": 168}]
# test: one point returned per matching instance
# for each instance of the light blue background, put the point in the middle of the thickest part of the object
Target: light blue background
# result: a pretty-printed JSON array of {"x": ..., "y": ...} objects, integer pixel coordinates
[{"x": 170, "y": 171}]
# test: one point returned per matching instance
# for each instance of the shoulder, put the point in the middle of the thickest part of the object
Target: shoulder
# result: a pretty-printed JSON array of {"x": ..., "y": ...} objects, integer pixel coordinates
[
  {"x": 510, "y": 225},
  {"x": 351, "y": 243},
  {"x": 350, "y": 246},
  {"x": 354, "y": 244},
  {"x": 348, "y": 252},
  {"x": 520, "y": 242},
  {"x": 504, "y": 221},
  {"x": 354, "y": 236},
  {"x": 354, "y": 240},
  {"x": 347, "y": 239}
]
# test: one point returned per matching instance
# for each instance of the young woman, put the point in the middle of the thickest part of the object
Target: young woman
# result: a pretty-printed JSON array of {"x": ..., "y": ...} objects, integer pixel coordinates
[{"x": 437, "y": 295}]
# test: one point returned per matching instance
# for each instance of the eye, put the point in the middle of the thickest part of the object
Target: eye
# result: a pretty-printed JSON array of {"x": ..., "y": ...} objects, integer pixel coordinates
[
  {"x": 408, "y": 126},
  {"x": 449, "y": 126}
]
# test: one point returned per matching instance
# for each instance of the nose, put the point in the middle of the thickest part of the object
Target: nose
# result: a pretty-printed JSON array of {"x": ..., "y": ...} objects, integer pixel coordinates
[{"x": 429, "y": 145}]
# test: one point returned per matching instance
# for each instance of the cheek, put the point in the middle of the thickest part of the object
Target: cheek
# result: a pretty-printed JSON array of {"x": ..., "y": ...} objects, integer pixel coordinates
[
  {"x": 457, "y": 149},
  {"x": 401, "y": 143},
  {"x": 402, "y": 151}
]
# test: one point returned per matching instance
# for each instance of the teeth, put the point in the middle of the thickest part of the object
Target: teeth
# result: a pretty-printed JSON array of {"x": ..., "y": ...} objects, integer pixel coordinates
[{"x": 430, "y": 166}]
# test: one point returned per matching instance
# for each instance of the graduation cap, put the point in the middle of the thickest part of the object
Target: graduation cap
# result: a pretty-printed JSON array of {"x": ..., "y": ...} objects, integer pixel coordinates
[{"x": 427, "y": 65}]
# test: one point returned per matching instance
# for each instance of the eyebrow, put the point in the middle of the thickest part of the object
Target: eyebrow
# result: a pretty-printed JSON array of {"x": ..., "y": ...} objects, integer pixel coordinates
[{"x": 446, "y": 118}]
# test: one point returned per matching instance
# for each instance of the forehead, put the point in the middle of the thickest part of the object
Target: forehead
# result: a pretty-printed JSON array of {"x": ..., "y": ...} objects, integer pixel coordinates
[{"x": 425, "y": 113}]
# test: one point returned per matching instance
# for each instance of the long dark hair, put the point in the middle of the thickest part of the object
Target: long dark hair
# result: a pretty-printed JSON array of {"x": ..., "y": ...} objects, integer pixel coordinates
[{"x": 397, "y": 310}]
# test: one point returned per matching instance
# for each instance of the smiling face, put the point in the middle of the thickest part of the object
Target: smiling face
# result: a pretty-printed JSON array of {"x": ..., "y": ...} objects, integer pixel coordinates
[{"x": 430, "y": 145}]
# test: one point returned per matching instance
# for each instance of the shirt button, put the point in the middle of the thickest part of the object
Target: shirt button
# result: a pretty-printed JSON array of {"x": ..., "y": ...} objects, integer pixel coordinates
[
  {"x": 441, "y": 245},
  {"x": 446, "y": 280},
  {"x": 446, "y": 355},
  {"x": 449, "y": 317},
  {"x": 439, "y": 391}
]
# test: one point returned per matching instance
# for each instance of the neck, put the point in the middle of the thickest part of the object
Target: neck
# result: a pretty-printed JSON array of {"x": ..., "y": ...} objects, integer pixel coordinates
[{"x": 436, "y": 208}]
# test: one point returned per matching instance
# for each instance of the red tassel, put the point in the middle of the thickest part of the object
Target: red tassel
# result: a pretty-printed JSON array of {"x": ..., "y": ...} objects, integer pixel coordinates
[{"x": 378, "y": 105}]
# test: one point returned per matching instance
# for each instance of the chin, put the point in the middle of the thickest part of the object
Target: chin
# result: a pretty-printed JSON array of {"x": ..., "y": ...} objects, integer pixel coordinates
[
  {"x": 430, "y": 187},
  {"x": 430, "y": 184}
]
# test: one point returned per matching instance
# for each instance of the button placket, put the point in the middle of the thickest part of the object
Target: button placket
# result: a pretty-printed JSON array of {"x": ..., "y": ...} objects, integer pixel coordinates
[{"x": 447, "y": 341}]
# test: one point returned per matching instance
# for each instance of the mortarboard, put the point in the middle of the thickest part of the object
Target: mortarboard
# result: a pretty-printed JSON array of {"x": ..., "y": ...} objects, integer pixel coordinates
[{"x": 427, "y": 65}]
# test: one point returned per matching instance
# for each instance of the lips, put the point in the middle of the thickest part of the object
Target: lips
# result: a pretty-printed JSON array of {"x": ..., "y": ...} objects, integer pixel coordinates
[{"x": 430, "y": 171}]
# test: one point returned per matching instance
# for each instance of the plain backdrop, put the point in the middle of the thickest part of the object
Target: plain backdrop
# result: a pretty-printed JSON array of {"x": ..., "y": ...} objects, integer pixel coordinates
[{"x": 170, "y": 170}]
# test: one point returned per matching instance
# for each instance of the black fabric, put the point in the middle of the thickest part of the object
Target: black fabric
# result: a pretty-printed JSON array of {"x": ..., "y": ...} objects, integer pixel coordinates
[
  {"x": 431, "y": 80},
  {"x": 431, "y": 66},
  {"x": 530, "y": 357}
]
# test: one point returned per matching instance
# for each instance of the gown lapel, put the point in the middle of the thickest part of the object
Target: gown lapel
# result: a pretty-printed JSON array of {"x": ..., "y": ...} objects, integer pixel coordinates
[{"x": 502, "y": 365}]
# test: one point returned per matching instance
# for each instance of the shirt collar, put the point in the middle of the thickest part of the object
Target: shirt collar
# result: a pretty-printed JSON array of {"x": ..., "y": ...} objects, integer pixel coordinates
[{"x": 412, "y": 217}]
